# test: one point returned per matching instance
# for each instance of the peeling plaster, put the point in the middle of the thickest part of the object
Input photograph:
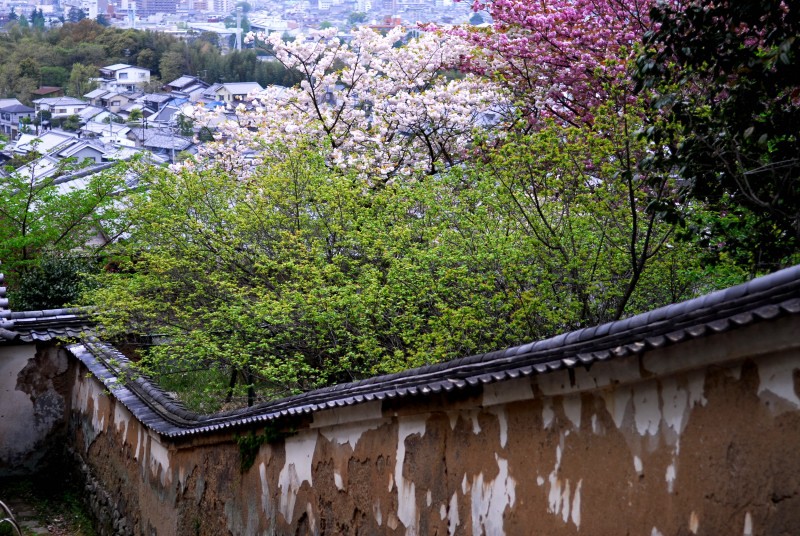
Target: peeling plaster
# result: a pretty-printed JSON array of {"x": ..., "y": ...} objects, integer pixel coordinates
[
  {"x": 572, "y": 409},
  {"x": 503, "y": 422},
  {"x": 776, "y": 376},
  {"x": 576, "y": 505},
  {"x": 407, "y": 511},
  {"x": 637, "y": 464},
  {"x": 694, "y": 523},
  {"x": 490, "y": 500},
  {"x": 507, "y": 391},
  {"x": 266, "y": 507},
  {"x": 670, "y": 477},
  {"x": 547, "y": 413},
  {"x": 748, "y": 525},
  {"x": 476, "y": 426},
  {"x": 297, "y": 469},
  {"x": 452, "y": 515},
  {"x": 159, "y": 458},
  {"x": 647, "y": 413},
  {"x": 376, "y": 511},
  {"x": 350, "y": 433}
]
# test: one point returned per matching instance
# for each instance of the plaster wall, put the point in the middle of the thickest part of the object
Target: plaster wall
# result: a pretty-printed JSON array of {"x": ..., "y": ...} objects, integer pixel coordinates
[
  {"x": 700, "y": 438},
  {"x": 33, "y": 405}
]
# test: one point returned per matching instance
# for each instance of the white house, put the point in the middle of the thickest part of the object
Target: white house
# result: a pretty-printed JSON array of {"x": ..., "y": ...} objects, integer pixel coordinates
[
  {"x": 233, "y": 92},
  {"x": 123, "y": 77},
  {"x": 60, "y": 106}
]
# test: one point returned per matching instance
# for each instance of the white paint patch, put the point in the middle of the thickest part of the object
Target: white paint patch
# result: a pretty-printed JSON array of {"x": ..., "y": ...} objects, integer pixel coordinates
[
  {"x": 442, "y": 511},
  {"x": 476, "y": 426},
  {"x": 647, "y": 413},
  {"x": 572, "y": 409},
  {"x": 655, "y": 532},
  {"x": 508, "y": 391},
  {"x": 452, "y": 515},
  {"x": 159, "y": 458},
  {"x": 297, "y": 469},
  {"x": 490, "y": 500},
  {"x": 547, "y": 413},
  {"x": 697, "y": 388},
  {"x": 637, "y": 464},
  {"x": 407, "y": 511},
  {"x": 337, "y": 480},
  {"x": 558, "y": 496},
  {"x": 597, "y": 427},
  {"x": 748, "y": 525},
  {"x": 376, "y": 511},
  {"x": 503, "y": 422},
  {"x": 670, "y": 477},
  {"x": 617, "y": 402},
  {"x": 694, "y": 523},
  {"x": 674, "y": 404},
  {"x": 776, "y": 376},
  {"x": 464, "y": 485},
  {"x": 540, "y": 481},
  {"x": 428, "y": 498},
  {"x": 121, "y": 419},
  {"x": 366, "y": 411},
  {"x": 453, "y": 416},
  {"x": 262, "y": 473},
  {"x": 349, "y": 433},
  {"x": 576, "y": 505},
  {"x": 565, "y": 502}
]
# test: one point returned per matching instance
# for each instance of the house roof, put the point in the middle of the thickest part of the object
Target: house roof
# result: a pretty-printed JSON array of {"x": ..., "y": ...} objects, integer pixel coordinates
[
  {"x": 116, "y": 67},
  {"x": 96, "y": 93},
  {"x": 46, "y": 90},
  {"x": 184, "y": 81},
  {"x": 45, "y": 325},
  {"x": 17, "y": 109},
  {"x": 242, "y": 88},
  {"x": 60, "y": 101},
  {"x": 760, "y": 300}
]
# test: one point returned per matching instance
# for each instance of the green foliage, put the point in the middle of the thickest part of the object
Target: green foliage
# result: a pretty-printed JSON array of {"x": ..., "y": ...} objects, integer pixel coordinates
[
  {"x": 37, "y": 216},
  {"x": 55, "y": 280},
  {"x": 724, "y": 81},
  {"x": 250, "y": 444},
  {"x": 75, "y": 14},
  {"x": 298, "y": 277}
]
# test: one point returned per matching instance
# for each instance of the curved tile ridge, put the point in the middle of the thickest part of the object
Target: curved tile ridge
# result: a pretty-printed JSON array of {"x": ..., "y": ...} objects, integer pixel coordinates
[
  {"x": 6, "y": 324},
  {"x": 48, "y": 324},
  {"x": 761, "y": 299}
]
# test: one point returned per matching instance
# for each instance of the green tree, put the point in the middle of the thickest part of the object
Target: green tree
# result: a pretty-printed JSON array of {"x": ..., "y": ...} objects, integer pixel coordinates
[
  {"x": 37, "y": 216},
  {"x": 724, "y": 82},
  {"x": 80, "y": 80},
  {"x": 172, "y": 65},
  {"x": 356, "y": 17},
  {"x": 75, "y": 14}
]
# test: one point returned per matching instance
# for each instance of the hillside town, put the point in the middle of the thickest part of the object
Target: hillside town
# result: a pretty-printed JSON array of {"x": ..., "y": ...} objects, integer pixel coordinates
[
  {"x": 184, "y": 17},
  {"x": 66, "y": 137}
]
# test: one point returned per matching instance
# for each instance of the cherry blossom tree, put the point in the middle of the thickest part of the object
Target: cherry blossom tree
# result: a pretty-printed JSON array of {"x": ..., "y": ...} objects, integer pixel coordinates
[
  {"x": 560, "y": 58},
  {"x": 382, "y": 109}
]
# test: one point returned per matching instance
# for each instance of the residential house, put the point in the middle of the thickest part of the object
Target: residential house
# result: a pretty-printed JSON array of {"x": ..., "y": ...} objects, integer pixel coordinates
[
  {"x": 48, "y": 91},
  {"x": 122, "y": 76},
  {"x": 12, "y": 112},
  {"x": 60, "y": 106},
  {"x": 160, "y": 141},
  {"x": 234, "y": 92},
  {"x": 187, "y": 87},
  {"x": 155, "y": 101}
]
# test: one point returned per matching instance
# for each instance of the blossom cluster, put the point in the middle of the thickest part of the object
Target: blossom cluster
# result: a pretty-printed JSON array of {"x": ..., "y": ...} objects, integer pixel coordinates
[
  {"x": 385, "y": 108},
  {"x": 561, "y": 57}
]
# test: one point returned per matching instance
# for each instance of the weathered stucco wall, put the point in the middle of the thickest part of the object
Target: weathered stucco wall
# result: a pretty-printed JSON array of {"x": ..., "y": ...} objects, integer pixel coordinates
[
  {"x": 698, "y": 438},
  {"x": 33, "y": 405}
]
